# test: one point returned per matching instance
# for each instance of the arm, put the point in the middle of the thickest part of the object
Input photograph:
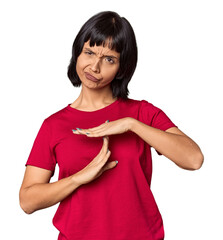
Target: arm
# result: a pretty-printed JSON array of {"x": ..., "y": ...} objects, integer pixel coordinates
[
  {"x": 37, "y": 193},
  {"x": 172, "y": 143}
]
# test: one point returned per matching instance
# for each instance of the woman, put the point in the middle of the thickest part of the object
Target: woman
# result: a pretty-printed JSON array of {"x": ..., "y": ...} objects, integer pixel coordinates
[{"x": 102, "y": 144}]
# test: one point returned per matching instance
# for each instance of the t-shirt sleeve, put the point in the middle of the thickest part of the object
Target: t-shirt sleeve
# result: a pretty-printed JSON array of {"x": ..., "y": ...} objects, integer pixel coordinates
[
  {"x": 155, "y": 117},
  {"x": 41, "y": 154}
]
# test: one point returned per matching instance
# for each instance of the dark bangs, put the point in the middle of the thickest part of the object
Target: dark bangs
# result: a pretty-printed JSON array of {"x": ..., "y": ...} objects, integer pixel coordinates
[
  {"x": 105, "y": 31},
  {"x": 101, "y": 28}
]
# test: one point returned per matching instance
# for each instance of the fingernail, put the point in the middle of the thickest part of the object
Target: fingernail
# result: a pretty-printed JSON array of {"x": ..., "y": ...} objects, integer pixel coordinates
[
  {"x": 87, "y": 133},
  {"x": 107, "y": 120},
  {"x": 79, "y": 128},
  {"x": 107, "y": 150},
  {"x": 74, "y": 130},
  {"x": 116, "y": 162}
]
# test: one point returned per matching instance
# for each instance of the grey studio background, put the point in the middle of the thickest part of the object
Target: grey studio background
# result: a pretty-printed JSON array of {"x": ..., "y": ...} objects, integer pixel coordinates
[{"x": 179, "y": 70}]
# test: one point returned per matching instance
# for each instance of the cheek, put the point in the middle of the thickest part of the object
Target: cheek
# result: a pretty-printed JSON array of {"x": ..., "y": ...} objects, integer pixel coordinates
[
  {"x": 111, "y": 73},
  {"x": 80, "y": 65}
]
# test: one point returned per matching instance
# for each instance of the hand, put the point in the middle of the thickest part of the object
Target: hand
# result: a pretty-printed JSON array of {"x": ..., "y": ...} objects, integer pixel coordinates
[
  {"x": 108, "y": 128},
  {"x": 97, "y": 166}
]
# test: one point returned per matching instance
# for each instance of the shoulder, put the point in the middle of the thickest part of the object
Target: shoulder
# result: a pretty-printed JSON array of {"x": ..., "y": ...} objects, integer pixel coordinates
[
  {"x": 131, "y": 101},
  {"x": 146, "y": 110},
  {"x": 143, "y": 105},
  {"x": 148, "y": 107},
  {"x": 56, "y": 116}
]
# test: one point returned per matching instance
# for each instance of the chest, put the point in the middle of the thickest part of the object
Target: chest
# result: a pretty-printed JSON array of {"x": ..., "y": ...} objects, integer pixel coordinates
[{"x": 73, "y": 152}]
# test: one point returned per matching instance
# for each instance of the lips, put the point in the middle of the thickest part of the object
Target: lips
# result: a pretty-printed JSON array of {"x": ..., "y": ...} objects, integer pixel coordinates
[{"x": 90, "y": 77}]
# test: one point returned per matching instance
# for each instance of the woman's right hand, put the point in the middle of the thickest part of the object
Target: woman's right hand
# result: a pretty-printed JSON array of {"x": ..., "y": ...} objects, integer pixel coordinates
[{"x": 97, "y": 166}]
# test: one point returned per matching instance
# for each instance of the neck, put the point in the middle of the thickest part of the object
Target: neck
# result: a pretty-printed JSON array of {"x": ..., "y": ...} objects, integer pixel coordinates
[{"x": 93, "y": 100}]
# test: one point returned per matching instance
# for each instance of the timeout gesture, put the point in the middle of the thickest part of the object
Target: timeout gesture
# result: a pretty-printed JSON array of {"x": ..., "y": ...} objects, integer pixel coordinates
[{"x": 108, "y": 128}]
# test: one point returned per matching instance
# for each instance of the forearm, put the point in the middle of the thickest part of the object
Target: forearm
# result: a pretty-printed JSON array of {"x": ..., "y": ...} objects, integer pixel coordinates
[
  {"x": 182, "y": 150},
  {"x": 43, "y": 195}
]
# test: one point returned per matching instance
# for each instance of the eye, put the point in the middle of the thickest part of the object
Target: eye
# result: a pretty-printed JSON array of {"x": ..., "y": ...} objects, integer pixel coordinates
[
  {"x": 88, "y": 53},
  {"x": 110, "y": 60}
]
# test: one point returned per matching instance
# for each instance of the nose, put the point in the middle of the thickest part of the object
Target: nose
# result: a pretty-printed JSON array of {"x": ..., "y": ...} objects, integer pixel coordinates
[{"x": 95, "y": 66}]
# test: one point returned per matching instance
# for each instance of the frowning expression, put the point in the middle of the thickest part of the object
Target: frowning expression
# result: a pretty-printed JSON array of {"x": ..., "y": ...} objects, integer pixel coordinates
[{"x": 97, "y": 66}]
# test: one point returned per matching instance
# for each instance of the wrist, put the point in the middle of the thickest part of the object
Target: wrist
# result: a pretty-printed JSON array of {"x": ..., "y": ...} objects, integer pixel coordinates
[
  {"x": 75, "y": 181},
  {"x": 131, "y": 123}
]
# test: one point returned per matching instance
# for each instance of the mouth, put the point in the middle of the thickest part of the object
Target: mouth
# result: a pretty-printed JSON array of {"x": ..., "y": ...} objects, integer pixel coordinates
[{"x": 90, "y": 77}]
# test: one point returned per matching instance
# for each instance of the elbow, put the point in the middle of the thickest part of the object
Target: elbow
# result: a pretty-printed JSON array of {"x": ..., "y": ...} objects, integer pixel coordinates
[
  {"x": 24, "y": 204},
  {"x": 197, "y": 160},
  {"x": 25, "y": 209}
]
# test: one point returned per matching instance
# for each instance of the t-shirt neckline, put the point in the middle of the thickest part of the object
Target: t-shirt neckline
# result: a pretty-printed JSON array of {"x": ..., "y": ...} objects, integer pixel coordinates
[{"x": 107, "y": 108}]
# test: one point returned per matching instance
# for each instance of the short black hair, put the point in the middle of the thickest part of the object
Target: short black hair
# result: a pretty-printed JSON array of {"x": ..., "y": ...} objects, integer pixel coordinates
[{"x": 98, "y": 29}]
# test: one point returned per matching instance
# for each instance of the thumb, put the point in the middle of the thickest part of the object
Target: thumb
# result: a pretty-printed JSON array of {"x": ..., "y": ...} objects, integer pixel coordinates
[{"x": 110, "y": 165}]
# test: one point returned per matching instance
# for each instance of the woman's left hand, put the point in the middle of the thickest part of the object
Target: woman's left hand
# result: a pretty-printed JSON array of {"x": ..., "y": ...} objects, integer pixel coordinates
[{"x": 108, "y": 128}]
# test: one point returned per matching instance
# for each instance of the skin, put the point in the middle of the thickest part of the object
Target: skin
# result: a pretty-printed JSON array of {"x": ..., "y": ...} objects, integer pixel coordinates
[
  {"x": 93, "y": 60},
  {"x": 37, "y": 192},
  {"x": 172, "y": 143}
]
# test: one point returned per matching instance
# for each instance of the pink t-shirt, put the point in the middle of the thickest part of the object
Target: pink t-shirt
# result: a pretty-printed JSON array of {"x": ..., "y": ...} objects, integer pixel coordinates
[{"x": 119, "y": 205}]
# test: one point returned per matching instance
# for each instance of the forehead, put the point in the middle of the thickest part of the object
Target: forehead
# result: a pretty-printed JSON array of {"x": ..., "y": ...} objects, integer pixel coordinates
[{"x": 101, "y": 49}]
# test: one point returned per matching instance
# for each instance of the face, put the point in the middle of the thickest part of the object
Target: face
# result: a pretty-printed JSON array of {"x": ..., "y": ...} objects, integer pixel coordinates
[{"x": 97, "y": 66}]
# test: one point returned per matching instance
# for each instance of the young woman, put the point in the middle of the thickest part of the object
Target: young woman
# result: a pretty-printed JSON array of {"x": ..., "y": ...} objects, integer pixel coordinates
[{"x": 102, "y": 144}]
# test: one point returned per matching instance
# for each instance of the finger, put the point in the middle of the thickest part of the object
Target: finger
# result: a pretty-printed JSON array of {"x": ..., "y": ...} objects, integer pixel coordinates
[
  {"x": 104, "y": 148},
  {"x": 109, "y": 165},
  {"x": 82, "y": 131},
  {"x": 98, "y": 131},
  {"x": 79, "y": 131},
  {"x": 106, "y": 142},
  {"x": 92, "y": 130},
  {"x": 98, "y": 127},
  {"x": 75, "y": 131},
  {"x": 105, "y": 158}
]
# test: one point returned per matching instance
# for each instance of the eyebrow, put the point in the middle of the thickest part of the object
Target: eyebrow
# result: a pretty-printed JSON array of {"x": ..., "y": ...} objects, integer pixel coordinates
[{"x": 111, "y": 56}]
